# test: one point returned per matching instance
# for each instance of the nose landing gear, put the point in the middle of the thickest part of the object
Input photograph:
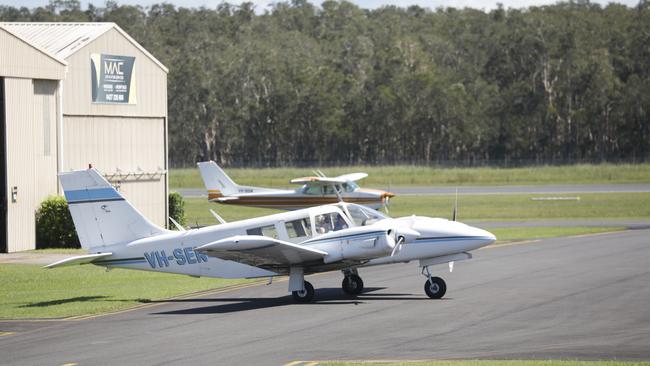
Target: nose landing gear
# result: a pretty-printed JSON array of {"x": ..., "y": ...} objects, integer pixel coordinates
[{"x": 435, "y": 287}]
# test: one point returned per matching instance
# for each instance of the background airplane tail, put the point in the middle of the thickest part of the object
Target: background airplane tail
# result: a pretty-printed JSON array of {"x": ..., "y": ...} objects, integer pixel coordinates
[
  {"x": 101, "y": 216},
  {"x": 216, "y": 181}
]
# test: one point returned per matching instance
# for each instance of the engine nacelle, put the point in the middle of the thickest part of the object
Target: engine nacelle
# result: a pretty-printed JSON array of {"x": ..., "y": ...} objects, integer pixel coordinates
[{"x": 359, "y": 247}]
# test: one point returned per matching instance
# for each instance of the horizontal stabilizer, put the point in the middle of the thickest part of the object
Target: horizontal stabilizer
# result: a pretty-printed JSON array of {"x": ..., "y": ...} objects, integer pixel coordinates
[
  {"x": 78, "y": 260},
  {"x": 261, "y": 251}
]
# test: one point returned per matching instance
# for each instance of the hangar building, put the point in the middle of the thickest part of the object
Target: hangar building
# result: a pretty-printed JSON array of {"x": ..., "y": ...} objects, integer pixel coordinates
[{"x": 74, "y": 94}]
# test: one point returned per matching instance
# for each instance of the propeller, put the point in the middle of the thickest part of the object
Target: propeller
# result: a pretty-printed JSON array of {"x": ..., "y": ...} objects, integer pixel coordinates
[
  {"x": 398, "y": 244},
  {"x": 400, "y": 235},
  {"x": 386, "y": 204}
]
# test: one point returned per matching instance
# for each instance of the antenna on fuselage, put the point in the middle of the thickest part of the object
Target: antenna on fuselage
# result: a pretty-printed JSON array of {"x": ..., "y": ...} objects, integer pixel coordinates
[{"x": 454, "y": 214}]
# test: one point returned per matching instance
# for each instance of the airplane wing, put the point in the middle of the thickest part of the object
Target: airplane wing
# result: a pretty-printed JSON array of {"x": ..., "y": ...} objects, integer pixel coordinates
[
  {"x": 77, "y": 260},
  {"x": 352, "y": 176},
  {"x": 323, "y": 181},
  {"x": 261, "y": 251}
]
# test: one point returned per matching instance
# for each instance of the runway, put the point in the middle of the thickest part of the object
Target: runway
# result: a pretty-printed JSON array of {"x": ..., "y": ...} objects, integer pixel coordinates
[
  {"x": 567, "y": 298},
  {"x": 467, "y": 190}
]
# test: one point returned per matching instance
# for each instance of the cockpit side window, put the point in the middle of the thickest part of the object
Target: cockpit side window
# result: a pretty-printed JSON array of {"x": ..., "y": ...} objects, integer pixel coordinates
[
  {"x": 313, "y": 190},
  {"x": 269, "y": 231},
  {"x": 350, "y": 186},
  {"x": 328, "y": 189},
  {"x": 329, "y": 222},
  {"x": 298, "y": 228}
]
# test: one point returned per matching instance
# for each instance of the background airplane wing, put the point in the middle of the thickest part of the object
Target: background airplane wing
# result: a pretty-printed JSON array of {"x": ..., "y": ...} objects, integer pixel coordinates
[
  {"x": 261, "y": 251},
  {"x": 322, "y": 181},
  {"x": 352, "y": 176}
]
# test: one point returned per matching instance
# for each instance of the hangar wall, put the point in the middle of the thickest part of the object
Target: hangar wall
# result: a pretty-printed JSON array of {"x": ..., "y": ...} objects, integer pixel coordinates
[
  {"x": 53, "y": 124},
  {"x": 119, "y": 138},
  {"x": 118, "y": 146},
  {"x": 31, "y": 148},
  {"x": 151, "y": 78}
]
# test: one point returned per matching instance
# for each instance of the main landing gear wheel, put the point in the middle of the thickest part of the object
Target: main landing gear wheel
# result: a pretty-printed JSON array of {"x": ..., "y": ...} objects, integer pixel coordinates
[
  {"x": 435, "y": 287},
  {"x": 305, "y": 295},
  {"x": 352, "y": 284}
]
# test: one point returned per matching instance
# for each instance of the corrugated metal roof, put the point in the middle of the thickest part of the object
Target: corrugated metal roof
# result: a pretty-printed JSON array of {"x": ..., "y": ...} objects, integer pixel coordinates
[
  {"x": 64, "y": 39},
  {"x": 59, "y": 39}
]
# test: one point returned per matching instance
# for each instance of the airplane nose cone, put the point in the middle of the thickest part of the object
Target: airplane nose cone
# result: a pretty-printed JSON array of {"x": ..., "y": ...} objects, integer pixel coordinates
[
  {"x": 388, "y": 195},
  {"x": 488, "y": 236}
]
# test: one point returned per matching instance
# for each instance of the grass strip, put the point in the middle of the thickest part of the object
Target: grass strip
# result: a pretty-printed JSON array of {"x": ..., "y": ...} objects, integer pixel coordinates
[
  {"x": 413, "y": 175},
  {"x": 470, "y": 207},
  {"x": 29, "y": 291}
]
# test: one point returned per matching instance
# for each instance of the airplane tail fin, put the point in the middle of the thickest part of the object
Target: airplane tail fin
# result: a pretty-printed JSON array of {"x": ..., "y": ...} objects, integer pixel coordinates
[
  {"x": 102, "y": 217},
  {"x": 216, "y": 181}
]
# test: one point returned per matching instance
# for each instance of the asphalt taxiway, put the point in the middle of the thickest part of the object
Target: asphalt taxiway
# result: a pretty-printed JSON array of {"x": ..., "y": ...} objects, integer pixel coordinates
[{"x": 566, "y": 298}]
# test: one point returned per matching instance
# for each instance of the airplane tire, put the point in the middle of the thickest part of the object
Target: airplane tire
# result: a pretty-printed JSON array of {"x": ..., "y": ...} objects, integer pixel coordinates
[
  {"x": 304, "y": 296},
  {"x": 352, "y": 284},
  {"x": 436, "y": 288}
]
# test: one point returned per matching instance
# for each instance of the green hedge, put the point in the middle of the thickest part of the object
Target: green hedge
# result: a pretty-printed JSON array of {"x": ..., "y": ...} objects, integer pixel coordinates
[
  {"x": 176, "y": 209},
  {"x": 54, "y": 225},
  {"x": 55, "y": 228}
]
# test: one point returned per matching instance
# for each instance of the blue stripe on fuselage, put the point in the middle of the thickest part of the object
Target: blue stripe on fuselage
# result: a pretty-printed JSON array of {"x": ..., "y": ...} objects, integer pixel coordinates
[{"x": 92, "y": 195}]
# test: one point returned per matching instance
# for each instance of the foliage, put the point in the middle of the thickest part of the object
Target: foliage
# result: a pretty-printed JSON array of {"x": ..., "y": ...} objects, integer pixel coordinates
[
  {"x": 176, "y": 208},
  {"x": 54, "y": 225},
  {"x": 304, "y": 84}
]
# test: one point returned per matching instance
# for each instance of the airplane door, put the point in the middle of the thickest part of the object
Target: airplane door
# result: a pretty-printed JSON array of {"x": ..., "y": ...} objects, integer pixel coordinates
[{"x": 3, "y": 171}]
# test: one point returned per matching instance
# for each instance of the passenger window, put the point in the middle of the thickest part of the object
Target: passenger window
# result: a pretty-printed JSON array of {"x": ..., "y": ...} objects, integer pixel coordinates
[
  {"x": 298, "y": 228},
  {"x": 330, "y": 222},
  {"x": 264, "y": 231}
]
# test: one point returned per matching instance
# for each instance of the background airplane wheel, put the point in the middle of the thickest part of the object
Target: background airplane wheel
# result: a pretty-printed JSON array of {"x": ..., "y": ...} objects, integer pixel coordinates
[
  {"x": 352, "y": 284},
  {"x": 304, "y": 296},
  {"x": 435, "y": 288}
]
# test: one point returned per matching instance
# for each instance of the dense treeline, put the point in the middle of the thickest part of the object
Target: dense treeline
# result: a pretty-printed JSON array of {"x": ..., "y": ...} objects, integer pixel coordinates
[{"x": 336, "y": 83}]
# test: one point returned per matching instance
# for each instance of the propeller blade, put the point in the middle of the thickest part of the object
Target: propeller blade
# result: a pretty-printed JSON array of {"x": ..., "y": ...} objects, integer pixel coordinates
[{"x": 398, "y": 246}]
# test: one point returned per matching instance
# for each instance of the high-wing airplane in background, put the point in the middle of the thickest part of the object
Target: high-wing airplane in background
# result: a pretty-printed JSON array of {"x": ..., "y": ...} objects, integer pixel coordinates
[
  {"x": 342, "y": 236},
  {"x": 315, "y": 190}
]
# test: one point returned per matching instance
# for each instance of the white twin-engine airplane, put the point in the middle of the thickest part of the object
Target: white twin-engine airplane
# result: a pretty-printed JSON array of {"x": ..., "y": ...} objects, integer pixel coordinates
[
  {"x": 315, "y": 190},
  {"x": 343, "y": 236}
]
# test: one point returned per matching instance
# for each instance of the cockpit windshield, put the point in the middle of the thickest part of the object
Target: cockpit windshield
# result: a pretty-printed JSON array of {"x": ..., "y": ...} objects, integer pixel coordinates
[
  {"x": 349, "y": 186},
  {"x": 362, "y": 215}
]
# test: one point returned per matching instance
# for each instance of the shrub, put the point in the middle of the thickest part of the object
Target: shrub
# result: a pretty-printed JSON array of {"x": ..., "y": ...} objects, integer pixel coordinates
[
  {"x": 176, "y": 208},
  {"x": 54, "y": 225}
]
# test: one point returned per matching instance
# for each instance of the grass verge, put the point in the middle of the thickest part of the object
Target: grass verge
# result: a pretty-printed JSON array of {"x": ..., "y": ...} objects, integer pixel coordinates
[
  {"x": 411, "y": 175},
  {"x": 29, "y": 291},
  {"x": 471, "y": 207}
]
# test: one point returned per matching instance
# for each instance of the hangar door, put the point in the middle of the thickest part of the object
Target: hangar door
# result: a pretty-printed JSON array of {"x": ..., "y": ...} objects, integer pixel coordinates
[{"x": 3, "y": 171}]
